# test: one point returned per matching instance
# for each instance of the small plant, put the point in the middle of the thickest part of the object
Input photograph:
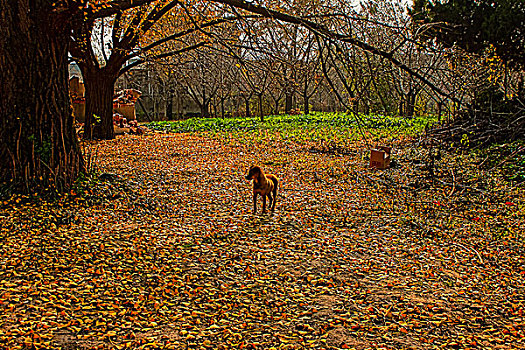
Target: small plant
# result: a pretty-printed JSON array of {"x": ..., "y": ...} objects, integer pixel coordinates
[{"x": 42, "y": 148}]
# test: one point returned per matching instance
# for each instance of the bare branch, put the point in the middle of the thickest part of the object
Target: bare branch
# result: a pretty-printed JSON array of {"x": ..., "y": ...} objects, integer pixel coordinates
[
  {"x": 162, "y": 55},
  {"x": 181, "y": 34},
  {"x": 327, "y": 33}
]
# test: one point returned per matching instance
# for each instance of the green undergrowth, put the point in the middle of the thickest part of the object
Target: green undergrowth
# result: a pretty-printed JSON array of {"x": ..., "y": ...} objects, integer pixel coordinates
[
  {"x": 509, "y": 157},
  {"x": 315, "y": 126}
]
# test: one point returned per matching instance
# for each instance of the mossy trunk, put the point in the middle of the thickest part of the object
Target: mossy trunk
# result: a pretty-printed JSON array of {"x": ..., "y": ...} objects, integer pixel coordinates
[{"x": 38, "y": 146}]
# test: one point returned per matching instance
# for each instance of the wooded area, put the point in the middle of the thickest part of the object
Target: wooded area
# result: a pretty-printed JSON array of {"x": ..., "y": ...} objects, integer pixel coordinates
[
  {"x": 394, "y": 131},
  {"x": 372, "y": 57}
]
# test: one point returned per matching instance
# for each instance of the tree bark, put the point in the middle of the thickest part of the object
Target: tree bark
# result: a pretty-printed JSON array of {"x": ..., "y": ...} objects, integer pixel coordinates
[
  {"x": 288, "y": 102},
  {"x": 247, "y": 102},
  {"x": 306, "y": 102},
  {"x": 276, "y": 106},
  {"x": 38, "y": 146},
  {"x": 261, "y": 112},
  {"x": 205, "y": 109},
  {"x": 410, "y": 103},
  {"x": 169, "y": 105},
  {"x": 99, "y": 85}
]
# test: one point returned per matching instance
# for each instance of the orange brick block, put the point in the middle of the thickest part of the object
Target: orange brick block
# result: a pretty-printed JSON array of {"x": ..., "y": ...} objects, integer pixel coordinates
[{"x": 380, "y": 157}]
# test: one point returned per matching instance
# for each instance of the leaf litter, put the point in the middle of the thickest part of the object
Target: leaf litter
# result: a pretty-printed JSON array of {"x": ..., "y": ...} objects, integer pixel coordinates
[{"x": 164, "y": 253}]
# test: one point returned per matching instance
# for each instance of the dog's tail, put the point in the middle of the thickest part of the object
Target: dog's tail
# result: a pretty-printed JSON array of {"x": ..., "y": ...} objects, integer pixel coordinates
[{"x": 275, "y": 181}]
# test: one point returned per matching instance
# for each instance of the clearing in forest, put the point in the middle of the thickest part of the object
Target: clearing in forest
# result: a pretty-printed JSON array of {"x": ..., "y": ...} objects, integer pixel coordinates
[{"x": 161, "y": 251}]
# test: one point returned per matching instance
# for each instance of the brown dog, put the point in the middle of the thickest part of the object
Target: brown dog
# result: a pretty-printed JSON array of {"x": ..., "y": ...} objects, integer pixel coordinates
[{"x": 265, "y": 185}]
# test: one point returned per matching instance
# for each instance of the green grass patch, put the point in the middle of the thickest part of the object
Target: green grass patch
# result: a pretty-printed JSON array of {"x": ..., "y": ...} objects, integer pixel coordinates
[{"x": 315, "y": 126}]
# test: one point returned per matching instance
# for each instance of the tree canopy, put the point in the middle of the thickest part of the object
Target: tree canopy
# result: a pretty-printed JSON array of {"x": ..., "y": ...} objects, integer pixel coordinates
[{"x": 474, "y": 25}]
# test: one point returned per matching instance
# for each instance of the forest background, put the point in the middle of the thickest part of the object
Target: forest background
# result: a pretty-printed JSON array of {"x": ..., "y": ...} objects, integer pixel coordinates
[{"x": 148, "y": 241}]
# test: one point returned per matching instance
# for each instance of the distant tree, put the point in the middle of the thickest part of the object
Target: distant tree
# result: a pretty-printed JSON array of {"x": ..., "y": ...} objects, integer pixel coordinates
[
  {"x": 474, "y": 25},
  {"x": 393, "y": 82},
  {"x": 489, "y": 36}
]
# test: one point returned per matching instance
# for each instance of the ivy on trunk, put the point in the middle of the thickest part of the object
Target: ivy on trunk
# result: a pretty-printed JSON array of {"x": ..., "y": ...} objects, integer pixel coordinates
[{"x": 38, "y": 145}]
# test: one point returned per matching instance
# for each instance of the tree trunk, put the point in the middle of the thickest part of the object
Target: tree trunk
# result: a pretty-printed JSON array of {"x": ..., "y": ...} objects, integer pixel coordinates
[
  {"x": 288, "y": 103},
  {"x": 410, "y": 103},
  {"x": 276, "y": 108},
  {"x": 100, "y": 85},
  {"x": 169, "y": 106},
  {"x": 38, "y": 146},
  {"x": 306, "y": 102},
  {"x": 248, "y": 113},
  {"x": 205, "y": 110},
  {"x": 261, "y": 113},
  {"x": 215, "y": 108}
]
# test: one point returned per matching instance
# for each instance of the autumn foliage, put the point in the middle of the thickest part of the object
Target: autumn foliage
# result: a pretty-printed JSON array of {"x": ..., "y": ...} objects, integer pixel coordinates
[{"x": 162, "y": 251}]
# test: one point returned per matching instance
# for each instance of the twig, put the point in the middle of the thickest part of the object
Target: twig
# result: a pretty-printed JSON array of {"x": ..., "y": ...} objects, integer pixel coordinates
[
  {"x": 462, "y": 186},
  {"x": 453, "y": 183},
  {"x": 483, "y": 162},
  {"x": 469, "y": 250},
  {"x": 507, "y": 158}
]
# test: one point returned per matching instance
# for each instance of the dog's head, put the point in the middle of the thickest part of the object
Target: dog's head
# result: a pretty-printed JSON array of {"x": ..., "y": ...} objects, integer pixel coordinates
[{"x": 253, "y": 173}]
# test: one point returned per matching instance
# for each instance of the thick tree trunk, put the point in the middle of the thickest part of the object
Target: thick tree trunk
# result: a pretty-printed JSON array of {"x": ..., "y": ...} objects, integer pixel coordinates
[
  {"x": 100, "y": 85},
  {"x": 38, "y": 145},
  {"x": 205, "y": 110}
]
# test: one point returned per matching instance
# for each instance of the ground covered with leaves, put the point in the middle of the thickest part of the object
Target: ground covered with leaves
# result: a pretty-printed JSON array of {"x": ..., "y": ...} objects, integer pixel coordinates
[{"x": 161, "y": 250}]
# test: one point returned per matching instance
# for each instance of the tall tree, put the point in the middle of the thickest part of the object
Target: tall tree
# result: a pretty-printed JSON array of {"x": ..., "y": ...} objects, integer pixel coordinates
[
  {"x": 104, "y": 47},
  {"x": 100, "y": 72},
  {"x": 38, "y": 146},
  {"x": 474, "y": 25}
]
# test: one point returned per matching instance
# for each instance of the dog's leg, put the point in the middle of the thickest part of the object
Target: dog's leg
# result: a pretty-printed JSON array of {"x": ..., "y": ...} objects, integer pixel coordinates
[
  {"x": 264, "y": 203},
  {"x": 254, "y": 203},
  {"x": 274, "y": 197},
  {"x": 270, "y": 200}
]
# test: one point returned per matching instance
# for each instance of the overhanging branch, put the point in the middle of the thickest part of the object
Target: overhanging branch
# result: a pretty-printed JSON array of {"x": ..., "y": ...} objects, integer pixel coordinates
[
  {"x": 162, "y": 55},
  {"x": 327, "y": 33},
  {"x": 180, "y": 35}
]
